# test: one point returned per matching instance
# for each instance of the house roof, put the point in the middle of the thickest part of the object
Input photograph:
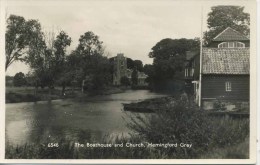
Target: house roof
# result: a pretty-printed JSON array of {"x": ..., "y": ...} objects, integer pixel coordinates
[
  {"x": 230, "y": 34},
  {"x": 233, "y": 61}
]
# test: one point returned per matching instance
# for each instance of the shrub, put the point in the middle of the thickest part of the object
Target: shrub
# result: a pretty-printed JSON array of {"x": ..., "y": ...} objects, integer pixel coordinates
[
  {"x": 185, "y": 123},
  {"x": 219, "y": 106}
]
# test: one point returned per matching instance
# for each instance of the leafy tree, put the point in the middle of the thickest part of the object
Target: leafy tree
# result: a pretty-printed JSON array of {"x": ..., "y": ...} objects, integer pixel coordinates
[
  {"x": 9, "y": 80},
  {"x": 139, "y": 65},
  {"x": 48, "y": 62},
  {"x": 18, "y": 36},
  {"x": 89, "y": 44},
  {"x": 149, "y": 70},
  {"x": 130, "y": 63},
  {"x": 222, "y": 17},
  {"x": 168, "y": 59},
  {"x": 19, "y": 79},
  {"x": 93, "y": 65},
  {"x": 134, "y": 77},
  {"x": 60, "y": 71},
  {"x": 125, "y": 81}
]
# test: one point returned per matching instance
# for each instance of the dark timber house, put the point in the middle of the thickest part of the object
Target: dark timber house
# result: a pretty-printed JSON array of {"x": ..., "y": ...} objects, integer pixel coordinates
[{"x": 225, "y": 72}]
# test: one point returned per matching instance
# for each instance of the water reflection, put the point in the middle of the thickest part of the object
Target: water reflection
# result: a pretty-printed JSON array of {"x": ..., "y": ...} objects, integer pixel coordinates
[{"x": 77, "y": 120}]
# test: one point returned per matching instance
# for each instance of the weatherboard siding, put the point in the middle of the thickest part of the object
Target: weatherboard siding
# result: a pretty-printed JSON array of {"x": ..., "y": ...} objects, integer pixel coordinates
[{"x": 213, "y": 87}]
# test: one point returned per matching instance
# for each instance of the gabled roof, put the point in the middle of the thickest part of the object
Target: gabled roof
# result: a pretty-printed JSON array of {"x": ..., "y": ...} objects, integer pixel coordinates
[
  {"x": 233, "y": 61},
  {"x": 230, "y": 34}
]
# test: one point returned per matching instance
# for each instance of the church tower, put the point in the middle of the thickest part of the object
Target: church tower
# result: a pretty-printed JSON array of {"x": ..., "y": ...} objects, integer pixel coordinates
[{"x": 120, "y": 68}]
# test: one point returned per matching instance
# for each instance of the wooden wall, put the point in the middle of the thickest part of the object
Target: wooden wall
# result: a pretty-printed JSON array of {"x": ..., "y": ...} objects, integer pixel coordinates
[{"x": 213, "y": 87}]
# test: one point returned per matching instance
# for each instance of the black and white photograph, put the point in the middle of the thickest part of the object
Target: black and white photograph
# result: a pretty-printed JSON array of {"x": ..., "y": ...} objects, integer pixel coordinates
[{"x": 167, "y": 81}]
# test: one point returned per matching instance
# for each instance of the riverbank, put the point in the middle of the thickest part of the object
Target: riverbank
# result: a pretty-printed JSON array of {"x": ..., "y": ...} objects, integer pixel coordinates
[
  {"x": 210, "y": 136},
  {"x": 29, "y": 94},
  {"x": 150, "y": 105}
]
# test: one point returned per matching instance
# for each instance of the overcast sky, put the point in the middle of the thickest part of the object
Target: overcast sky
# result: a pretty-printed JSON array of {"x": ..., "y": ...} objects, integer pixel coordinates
[{"x": 129, "y": 27}]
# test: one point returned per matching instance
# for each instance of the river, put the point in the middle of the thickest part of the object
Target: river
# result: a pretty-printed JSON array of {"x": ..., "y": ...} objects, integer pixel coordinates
[{"x": 70, "y": 119}]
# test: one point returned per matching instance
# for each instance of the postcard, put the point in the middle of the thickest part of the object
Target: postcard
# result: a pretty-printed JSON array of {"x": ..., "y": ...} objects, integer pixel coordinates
[{"x": 109, "y": 81}]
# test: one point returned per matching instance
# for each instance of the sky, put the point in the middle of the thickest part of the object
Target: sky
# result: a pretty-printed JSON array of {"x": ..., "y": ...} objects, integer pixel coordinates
[{"x": 129, "y": 27}]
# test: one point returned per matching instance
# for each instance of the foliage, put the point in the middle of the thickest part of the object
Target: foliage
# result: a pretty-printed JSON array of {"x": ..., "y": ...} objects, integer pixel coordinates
[
  {"x": 18, "y": 36},
  {"x": 184, "y": 122},
  {"x": 219, "y": 106},
  {"x": 149, "y": 70},
  {"x": 48, "y": 63},
  {"x": 125, "y": 81},
  {"x": 19, "y": 79},
  {"x": 134, "y": 77},
  {"x": 92, "y": 64},
  {"x": 9, "y": 80},
  {"x": 222, "y": 17},
  {"x": 89, "y": 44},
  {"x": 131, "y": 64},
  {"x": 168, "y": 59}
]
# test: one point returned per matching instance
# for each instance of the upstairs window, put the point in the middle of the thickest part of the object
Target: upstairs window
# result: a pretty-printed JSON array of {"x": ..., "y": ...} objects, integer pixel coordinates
[
  {"x": 228, "y": 86},
  {"x": 186, "y": 72},
  {"x": 231, "y": 45},
  {"x": 240, "y": 45}
]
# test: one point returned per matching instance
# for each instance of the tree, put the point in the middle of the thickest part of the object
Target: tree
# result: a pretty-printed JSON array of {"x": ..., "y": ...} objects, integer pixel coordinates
[
  {"x": 19, "y": 79},
  {"x": 134, "y": 77},
  {"x": 89, "y": 44},
  {"x": 149, "y": 71},
  {"x": 48, "y": 62},
  {"x": 93, "y": 65},
  {"x": 130, "y": 63},
  {"x": 19, "y": 33},
  {"x": 222, "y": 17},
  {"x": 125, "y": 81},
  {"x": 168, "y": 59},
  {"x": 139, "y": 65},
  {"x": 60, "y": 71}
]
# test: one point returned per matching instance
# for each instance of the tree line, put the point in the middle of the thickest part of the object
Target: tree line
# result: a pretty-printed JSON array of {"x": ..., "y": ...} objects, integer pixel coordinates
[
  {"x": 50, "y": 63},
  {"x": 89, "y": 67}
]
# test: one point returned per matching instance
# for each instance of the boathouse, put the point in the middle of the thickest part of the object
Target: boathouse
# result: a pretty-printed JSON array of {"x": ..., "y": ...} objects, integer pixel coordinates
[{"x": 224, "y": 73}]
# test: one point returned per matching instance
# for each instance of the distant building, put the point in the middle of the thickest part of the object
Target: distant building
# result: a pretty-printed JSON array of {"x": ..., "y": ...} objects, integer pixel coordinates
[
  {"x": 120, "y": 70},
  {"x": 225, "y": 71}
]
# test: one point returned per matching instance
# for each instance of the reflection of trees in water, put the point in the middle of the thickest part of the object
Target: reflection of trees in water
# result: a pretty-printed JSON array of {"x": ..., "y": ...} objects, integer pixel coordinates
[
  {"x": 42, "y": 122},
  {"x": 48, "y": 126}
]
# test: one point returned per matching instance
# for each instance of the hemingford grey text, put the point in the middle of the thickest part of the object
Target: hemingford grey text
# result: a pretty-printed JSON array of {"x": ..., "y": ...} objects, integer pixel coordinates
[{"x": 164, "y": 145}]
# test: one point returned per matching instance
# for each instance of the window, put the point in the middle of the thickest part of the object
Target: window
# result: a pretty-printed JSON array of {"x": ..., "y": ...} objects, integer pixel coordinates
[
  {"x": 228, "y": 86},
  {"x": 192, "y": 71},
  {"x": 239, "y": 45},
  {"x": 186, "y": 72},
  {"x": 231, "y": 45},
  {"x": 223, "y": 45}
]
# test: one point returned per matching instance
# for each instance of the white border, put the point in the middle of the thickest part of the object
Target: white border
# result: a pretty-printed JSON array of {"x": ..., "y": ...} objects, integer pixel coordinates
[
  {"x": 253, "y": 113},
  {"x": 2, "y": 79}
]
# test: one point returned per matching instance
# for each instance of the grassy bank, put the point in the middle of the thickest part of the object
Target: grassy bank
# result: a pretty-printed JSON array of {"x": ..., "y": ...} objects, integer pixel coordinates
[{"x": 29, "y": 94}]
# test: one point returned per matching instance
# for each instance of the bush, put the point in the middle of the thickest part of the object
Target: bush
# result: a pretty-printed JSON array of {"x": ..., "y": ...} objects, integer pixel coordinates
[
  {"x": 219, "y": 106},
  {"x": 184, "y": 123},
  {"x": 19, "y": 79}
]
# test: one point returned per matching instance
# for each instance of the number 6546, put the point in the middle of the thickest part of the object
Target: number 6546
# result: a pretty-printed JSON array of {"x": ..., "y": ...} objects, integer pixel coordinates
[{"x": 53, "y": 144}]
